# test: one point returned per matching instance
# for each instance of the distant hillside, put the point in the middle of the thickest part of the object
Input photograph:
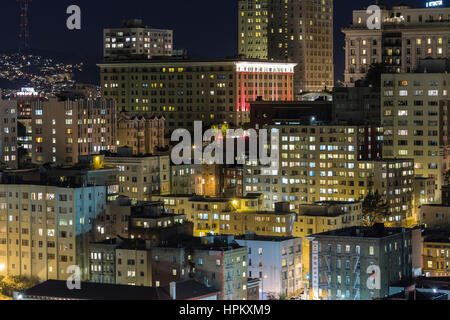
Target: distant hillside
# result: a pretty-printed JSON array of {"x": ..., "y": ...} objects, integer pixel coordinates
[{"x": 90, "y": 72}]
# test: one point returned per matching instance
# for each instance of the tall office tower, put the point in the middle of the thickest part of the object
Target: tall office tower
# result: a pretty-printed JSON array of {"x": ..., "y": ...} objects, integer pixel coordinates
[
  {"x": 135, "y": 39},
  {"x": 8, "y": 134},
  {"x": 407, "y": 34},
  {"x": 301, "y": 31},
  {"x": 253, "y": 23},
  {"x": 44, "y": 228},
  {"x": 415, "y": 118},
  {"x": 217, "y": 92},
  {"x": 66, "y": 128}
]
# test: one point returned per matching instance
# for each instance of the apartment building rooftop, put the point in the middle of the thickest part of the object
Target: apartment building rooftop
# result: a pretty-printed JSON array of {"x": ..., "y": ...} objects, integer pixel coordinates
[
  {"x": 189, "y": 290},
  {"x": 326, "y": 208},
  {"x": 175, "y": 59},
  {"x": 436, "y": 236},
  {"x": 255, "y": 237},
  {"x": 196, "y": 198},
  {"x": 209, "y": 243},
  {"x": 441, "y": 283},
  {"x": 376, "y": 232},
  {"x": 57, "y": 290}
]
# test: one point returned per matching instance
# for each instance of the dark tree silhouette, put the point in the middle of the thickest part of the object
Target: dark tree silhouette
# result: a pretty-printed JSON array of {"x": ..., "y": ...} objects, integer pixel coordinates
[
  {"x": 375, "y": 209},
  {"x": 374, "y": 73}
]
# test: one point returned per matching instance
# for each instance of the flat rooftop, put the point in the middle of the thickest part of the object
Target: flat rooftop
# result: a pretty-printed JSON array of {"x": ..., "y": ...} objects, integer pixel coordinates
[
  {"x": 264, "y": 238},
  {"x": 189, "y": 290},
  {"x": 166, "y": 60},
  {"x": 54, "y": 289},
  {"x": 220, "y": 244},
  {"x": 378, "y": 231}
]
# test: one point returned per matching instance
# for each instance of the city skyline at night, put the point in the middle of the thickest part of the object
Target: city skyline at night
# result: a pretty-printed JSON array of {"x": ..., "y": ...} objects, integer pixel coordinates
[{"x": 236, "y": 153}]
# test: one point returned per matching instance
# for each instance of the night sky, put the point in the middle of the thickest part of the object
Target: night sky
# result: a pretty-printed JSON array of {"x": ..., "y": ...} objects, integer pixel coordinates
[{"x": 206, "y": 28}]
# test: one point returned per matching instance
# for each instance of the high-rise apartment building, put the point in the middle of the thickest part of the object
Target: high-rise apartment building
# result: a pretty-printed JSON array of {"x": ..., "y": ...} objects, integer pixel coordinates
[
  {"x": 317, "y": 163},
  {"x": 8, "y": 134},
  {"x": 184, "y": 91},
  {"x": 332, "y": 163},
  {"x": 44, "y": 229},
  {"x": 415, "y": 121},
  {"x": 301, "y": 31},
  {"x": 136, "y": 40},
  {"x": 64, "y": 129},
  {"x": 406, "y": 35},
  {"x": 252, "y": 25}
]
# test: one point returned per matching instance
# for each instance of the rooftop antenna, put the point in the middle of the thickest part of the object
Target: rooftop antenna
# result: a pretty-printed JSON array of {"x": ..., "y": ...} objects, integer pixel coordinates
[{"x": 24, "y": 34}]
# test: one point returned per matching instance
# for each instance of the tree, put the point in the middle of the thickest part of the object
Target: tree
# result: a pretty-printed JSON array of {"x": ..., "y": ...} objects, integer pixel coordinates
[
  {"x": 447, "y": 178},
  {"x": 375, "y": 209},
  {"x": 374, "y": 73},
  {"x": 10, "y": 284}
]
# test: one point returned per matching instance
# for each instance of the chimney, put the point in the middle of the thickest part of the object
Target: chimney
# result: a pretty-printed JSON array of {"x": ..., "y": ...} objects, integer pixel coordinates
[{"x": 173, "y": 290}]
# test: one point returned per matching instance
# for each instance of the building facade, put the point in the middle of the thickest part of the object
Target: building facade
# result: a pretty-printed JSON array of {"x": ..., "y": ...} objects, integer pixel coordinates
[
  {"x": 45, "y": 229},
  {"x": 342, "y": 262},
  {"x": 317, "y": 163},
  {"x": 63, "y": 130},
  {"x": 277, "y": 262},
  {"x": 144, "y": 135},
  {"x": 436, "y": 254},
  {"x": 301, "y": 31},
  {"x": 406, "y": 35},
  {"x": 217, "y": 262},
  {"x": 141, "y": 177},
  {"x": 253, "y": 24},
  {"x": 135, "y": 39},
  {"x": 183, "y": 91},
  {"x": 9, "y": 134},
  {"x": 415, "y": 121}
]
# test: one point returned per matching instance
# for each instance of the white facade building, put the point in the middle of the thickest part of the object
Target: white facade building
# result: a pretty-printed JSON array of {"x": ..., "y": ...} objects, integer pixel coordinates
[{"x": 277, "y": 262}]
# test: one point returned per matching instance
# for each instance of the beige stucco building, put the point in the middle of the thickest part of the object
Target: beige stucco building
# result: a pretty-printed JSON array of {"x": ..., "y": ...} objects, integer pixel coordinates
[
  {"x": 407, "y": 34},
  {"x": 9, "y": 131},
  {"x": 140, "y": 177},
  {"x": 64, "y": 129},
  {"x": 216, "y": 92},
  {"x": 415, "y": 120},
  {"x": 45, "y": 229},
  {"x": 144, "y": 135}
]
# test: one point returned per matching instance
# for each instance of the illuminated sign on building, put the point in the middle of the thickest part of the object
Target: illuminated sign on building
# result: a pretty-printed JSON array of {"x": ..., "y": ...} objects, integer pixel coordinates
[
  {"x": 433, "y": 4},
  {"x": 27, "y": 92},
  {"x": 315, "y": 269}
]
